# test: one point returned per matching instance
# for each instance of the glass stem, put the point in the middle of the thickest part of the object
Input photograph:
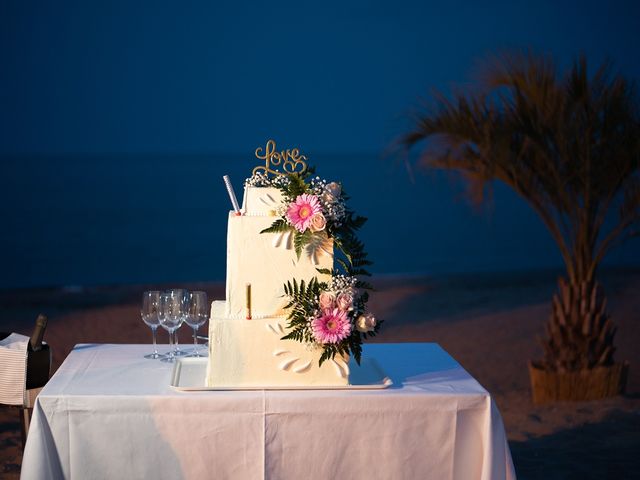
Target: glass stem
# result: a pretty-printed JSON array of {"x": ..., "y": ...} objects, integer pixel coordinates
[
  {"x": 170, "y": 343},
  {"x": 155, "y": 348},
  {"x": 195, "y": 340}
]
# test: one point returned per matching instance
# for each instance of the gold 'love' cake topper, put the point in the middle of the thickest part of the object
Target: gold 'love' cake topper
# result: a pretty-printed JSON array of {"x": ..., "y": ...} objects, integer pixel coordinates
[{"x": 280, "y": 163}]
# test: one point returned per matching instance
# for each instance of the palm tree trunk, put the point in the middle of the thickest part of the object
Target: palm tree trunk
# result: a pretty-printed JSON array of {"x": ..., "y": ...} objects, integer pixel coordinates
[{"x": 579, "y": 332}]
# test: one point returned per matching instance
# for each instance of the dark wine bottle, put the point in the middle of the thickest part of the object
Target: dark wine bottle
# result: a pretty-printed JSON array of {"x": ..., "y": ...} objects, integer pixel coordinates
[{"x": 35, "y": 343}]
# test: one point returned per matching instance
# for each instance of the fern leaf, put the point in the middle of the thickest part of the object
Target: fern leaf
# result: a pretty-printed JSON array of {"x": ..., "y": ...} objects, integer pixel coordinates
[
  {"x": 300, "y": 240},
  {"x": 278, "y": 226},
  {"x": 343, "y": 264},
  {"x": 325, "y": 271},
  {"x": 326, "y": 355},
  {"x": 289, "y": 336},
  {"x": 296, "y": 186},
  {"x": 358, "y": 222}
]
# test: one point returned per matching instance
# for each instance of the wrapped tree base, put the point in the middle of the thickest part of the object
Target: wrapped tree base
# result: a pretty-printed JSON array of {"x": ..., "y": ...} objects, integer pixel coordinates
[
  {"x": 589, "y": 384},
  {"x": 578, "y": 361}
]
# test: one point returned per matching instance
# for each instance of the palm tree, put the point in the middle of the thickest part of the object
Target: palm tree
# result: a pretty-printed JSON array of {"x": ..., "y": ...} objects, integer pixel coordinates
[{"x": 569, "y": 146}]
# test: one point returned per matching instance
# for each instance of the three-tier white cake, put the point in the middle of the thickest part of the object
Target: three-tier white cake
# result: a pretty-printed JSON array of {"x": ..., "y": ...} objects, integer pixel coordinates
[{"x": 247, "y": 352}]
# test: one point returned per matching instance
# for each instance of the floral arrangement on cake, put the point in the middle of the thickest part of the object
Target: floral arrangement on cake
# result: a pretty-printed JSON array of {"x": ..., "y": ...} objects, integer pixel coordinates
[
  {"x": 315, "y": 210},
  {"x": 329, "y": 315}
]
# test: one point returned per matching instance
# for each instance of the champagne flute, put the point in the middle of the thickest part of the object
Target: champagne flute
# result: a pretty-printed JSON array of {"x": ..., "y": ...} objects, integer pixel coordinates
[
  {"x": 150, "y": 313},
  {"x": 197, "y": 314},
  {"x": 170, "y": 318},
  {"x": 182, "y": 295}
]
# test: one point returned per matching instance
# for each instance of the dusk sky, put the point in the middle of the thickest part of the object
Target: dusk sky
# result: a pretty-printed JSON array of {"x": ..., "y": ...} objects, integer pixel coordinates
[
  {"x": 199, "y": 77},
  {"x": 118, "y": 114}
]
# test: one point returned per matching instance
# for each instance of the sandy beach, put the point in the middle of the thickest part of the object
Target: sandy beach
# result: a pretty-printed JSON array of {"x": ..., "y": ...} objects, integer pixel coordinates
[{"x": 489, "y": 323}]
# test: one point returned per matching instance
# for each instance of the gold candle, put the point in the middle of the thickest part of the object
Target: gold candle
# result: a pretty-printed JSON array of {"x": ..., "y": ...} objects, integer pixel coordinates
[{"x": 248, "y": 301}]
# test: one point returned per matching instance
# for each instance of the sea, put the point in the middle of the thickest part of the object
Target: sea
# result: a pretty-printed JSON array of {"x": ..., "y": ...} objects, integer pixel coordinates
[{"x": 119, "y": 219}]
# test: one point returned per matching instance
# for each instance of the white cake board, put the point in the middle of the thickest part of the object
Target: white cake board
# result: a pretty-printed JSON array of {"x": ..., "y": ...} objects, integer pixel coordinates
[{"x": 189, "y": 375}]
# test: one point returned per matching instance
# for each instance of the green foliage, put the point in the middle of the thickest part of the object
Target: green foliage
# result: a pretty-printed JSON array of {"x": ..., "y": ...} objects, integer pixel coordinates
[
  {"x": 353, "y": 251},
  {"x": 303, "y": 302},
  {"x": 278, "y": 226},
  {"x": 330, "y": 351},
  {"x": 364, "y": 285},
  {"x": 355, "y": 345},
  {"x": 300, "y": 240},
  {"x": 325, "y": 271},
  {"x": 297, "y": 186}
]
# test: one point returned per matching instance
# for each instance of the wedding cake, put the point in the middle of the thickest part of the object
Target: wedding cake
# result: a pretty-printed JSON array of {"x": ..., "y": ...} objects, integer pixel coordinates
[{"x": 290, "y": 318}]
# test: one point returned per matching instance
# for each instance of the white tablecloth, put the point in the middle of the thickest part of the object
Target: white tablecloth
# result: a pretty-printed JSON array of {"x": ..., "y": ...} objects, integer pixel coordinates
[{"x": 109, "y": 413}]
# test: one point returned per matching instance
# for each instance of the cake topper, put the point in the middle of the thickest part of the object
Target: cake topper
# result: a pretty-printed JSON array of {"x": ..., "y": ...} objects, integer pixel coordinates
[{"x": 289, "y": 160}]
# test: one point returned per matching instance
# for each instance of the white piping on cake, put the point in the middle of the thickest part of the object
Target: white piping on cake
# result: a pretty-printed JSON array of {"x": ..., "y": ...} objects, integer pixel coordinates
[
  {"x": 287, "y": 363},
  {"x": 277, "y": 239},
  {"x": 344, "y": 365},
  {"x": 271, "y": 202},
  {"x": 303, "y": 368},
  {"x": 341, "y": 370}
]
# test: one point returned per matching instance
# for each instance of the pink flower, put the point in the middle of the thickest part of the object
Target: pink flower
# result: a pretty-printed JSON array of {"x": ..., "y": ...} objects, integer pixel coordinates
[
  {"x": 301, "y": 212},
  {"x": 366, "y": 323},
  {"x": 345, "y": 301},
  {"x": 331, "y": 327},
  {"x": 326, "y": 301},
  {"x": 318, "y": 222}
]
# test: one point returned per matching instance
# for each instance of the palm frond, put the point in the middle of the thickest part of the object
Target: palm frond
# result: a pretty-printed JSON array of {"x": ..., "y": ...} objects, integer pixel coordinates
[{"x": 568, "y": 145}]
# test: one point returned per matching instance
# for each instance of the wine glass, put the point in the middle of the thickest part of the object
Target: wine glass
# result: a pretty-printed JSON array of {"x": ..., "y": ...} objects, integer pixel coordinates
[
  {"x": 150, "y": 313},
  {"x": 171, "y": 317},
  {"x": 197, "y": 314},
  {"x": 182, "y": 294}
]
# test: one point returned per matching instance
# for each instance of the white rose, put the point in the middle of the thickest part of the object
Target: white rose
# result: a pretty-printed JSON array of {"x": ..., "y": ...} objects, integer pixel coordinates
[
  {"x": 334, "y": 189},
  {"x": 326, "y": 300},
  {"x": 366, "y": 323},
  {"x": 345, "y": 301},
  {"x": 318, "y": 222},
  {"x": 331, "y": 192}
]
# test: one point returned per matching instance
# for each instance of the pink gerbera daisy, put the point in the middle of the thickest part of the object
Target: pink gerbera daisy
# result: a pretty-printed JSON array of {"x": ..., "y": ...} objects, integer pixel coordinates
[
  {"x": 302, "y": 211},
  {"x": 331, "y": 327}
]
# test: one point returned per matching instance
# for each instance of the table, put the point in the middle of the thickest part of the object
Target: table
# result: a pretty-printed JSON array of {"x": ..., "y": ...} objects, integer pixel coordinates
[{"x": 109, "y": 413}]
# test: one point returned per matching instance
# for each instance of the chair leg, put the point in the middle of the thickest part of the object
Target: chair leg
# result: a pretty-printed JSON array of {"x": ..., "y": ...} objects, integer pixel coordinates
[{"x": 25, "y": 419}]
